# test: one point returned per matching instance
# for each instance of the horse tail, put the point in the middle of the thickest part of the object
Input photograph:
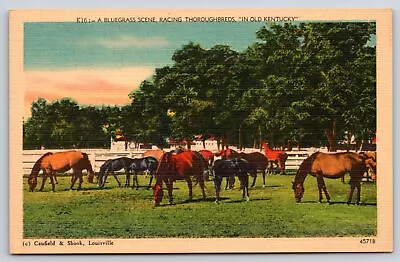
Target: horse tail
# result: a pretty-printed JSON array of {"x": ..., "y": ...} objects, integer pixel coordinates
[{"x": 36, "y": 167}]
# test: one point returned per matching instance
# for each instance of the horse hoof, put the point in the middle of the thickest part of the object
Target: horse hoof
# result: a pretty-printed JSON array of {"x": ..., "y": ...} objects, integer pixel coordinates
[
  {"x": 247, "y": 199},
  {"x": 263, "y": 186},
  {"x": 216, "y": 202}
]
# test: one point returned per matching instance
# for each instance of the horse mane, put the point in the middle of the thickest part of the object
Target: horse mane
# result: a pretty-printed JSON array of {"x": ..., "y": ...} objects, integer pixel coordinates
[
  {"x": 36, "y": 166},
  {"x": 304, "y": 168}
]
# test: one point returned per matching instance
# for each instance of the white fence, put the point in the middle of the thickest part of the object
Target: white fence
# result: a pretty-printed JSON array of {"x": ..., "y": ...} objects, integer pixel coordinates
[{"x": 98, "y": 156}]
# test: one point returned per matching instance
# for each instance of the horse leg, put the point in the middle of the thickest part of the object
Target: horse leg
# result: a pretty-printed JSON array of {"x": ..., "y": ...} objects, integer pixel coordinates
[
  {"x": 190, "y": 186},
  {"x": 170, "y": 187},
  {"x": 358, "y": 185},
  {"x": 104, "y": 178},
  {"x": 151, "y": 179},
  {"x": 202, "y": 186},
  {"x": 245, "y": 184},
  {"x": 254, "y": 175},
  {"x": 53, "y": 187},
  {"x": 217, "y": 185},
  {"x": 43, "y": 182},
  {"x": 320, "y": 182},
  {"x": 73, "y": 180},
  {"x": 263, "y": 173},
  {"x": 116, "y": 178},
  {"x": 352, "y": 186},
  {"x": 79, "y": 175},
  {"x": 136, "y": 180},
  {"x": 327, "y": 196},
  {"x": 128, "y": 179}
]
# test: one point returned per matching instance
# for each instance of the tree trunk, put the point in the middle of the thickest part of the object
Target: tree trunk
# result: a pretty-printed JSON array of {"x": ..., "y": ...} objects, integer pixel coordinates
[
  {"x": 240, "y": 137},
  {"x": 260, "y": 136},
  {"x": 331, "y": 135}
]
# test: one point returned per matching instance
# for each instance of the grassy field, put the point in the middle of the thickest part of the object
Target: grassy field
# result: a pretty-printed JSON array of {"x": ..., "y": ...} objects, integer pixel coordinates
[{"x": 129, "y": 213}]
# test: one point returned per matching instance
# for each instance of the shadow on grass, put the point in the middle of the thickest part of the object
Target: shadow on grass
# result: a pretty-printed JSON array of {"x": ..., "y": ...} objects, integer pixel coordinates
[
  {"x": 251, "y": 200},
  {"x": 336, "y": 203},
  {"x": 266, "y": 186},
  {"x": 197, "y": 200}
]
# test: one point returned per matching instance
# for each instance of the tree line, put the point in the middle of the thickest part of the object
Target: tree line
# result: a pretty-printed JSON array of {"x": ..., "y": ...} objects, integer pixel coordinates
[{"x": 300, "y": 83}]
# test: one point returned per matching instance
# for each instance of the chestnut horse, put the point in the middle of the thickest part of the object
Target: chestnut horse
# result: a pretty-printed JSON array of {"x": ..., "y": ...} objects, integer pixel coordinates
[
  {"x": 181, "y": 166},
  {"x": 335, "y": 165},
  {"x": 278, "y": 157},
  {"x": 51, "y": 163}
]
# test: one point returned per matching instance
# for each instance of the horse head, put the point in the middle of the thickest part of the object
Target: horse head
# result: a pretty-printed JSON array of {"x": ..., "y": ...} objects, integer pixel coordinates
[
  {"x": 90, "y": 176},
  {"x": 158, "y": 194},
  {"x": 298, "y": 189},
  {"x": 32, "y": 181}
]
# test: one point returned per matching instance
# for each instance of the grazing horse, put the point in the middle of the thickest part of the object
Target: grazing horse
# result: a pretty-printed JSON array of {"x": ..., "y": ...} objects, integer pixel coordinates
[
  {"x": 149, "y": 164},
  {"x": 181, "y": 166},
  {"x": 157, "y": 153},
  {"x": 112, "y": 165},
  {"x": 257, "y": 161},
  {"x": 335, "y": 165},
  {"x": 51, "y": 163},
  {"x": 230, "y": 168},
  {"x": 278, "y": 157}
]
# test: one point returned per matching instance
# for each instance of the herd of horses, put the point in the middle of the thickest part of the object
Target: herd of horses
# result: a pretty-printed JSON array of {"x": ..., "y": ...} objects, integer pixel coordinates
[{"x": 167, "y": 167}]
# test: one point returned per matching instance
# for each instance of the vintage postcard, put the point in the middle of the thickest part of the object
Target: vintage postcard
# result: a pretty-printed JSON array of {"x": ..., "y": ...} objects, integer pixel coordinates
[{"x": 200, "y": 131}]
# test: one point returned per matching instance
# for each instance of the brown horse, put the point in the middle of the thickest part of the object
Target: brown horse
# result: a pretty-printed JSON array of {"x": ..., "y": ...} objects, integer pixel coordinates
[
  {"x": 156, "y": 153},
  {"x": 278, "y": 157},
  {"x": 51, "y": 163},
  {"x": 181, "y": 166},
  {"x": 335, "y": 165},
  {"x": 257, "y": 161}
]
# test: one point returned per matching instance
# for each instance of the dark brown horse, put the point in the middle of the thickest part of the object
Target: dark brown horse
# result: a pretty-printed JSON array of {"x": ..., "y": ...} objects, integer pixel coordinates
[
  {"x": 335, "y": 165},
  {"x": 257, "y": 161},
  {"x": 51, "y": 163},
  {"x": 181, "y": 166}
]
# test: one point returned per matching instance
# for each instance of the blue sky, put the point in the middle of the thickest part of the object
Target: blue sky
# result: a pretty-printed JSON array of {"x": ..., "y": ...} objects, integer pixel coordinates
[{"x": 61, "y": 45}]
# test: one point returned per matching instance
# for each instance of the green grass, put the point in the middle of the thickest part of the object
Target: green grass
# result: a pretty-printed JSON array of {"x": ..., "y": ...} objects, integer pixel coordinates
[{"x": 129, "y": 213}]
